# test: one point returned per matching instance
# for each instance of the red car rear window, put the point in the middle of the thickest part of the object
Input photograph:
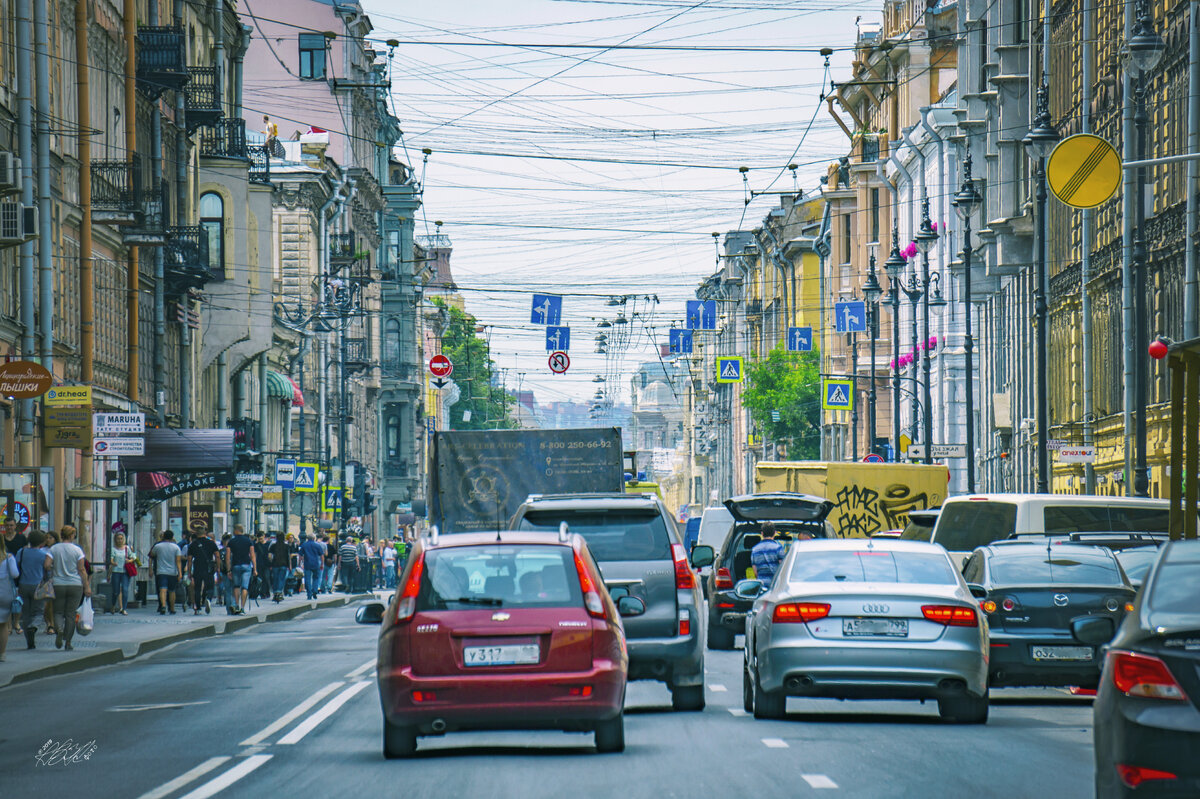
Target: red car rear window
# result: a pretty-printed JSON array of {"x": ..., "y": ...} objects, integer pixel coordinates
[{"x": 499, "y": 575}]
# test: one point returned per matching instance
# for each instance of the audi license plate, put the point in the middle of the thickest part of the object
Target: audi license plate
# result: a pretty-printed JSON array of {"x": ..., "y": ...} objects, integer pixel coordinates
[
  {"x": 1061, "y": 652},
  {"x": 894, "y": 628},
  {"x": 501, "y": 655}
]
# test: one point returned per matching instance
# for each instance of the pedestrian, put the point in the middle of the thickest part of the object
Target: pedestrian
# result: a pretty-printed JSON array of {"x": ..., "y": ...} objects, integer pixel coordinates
[
  {"x": 401, "y": 555},
  {"x": 33, "y": 562},
  {"x": 388, "y": 555},
  {"x": 202, "y": 566},
  {"x": 48, "y": 606},
  {"x": 14, "y": 542},
  {"x": 312, "y": 554},
  {"x": 278, "y": 556},
  {"x": 224, "y": 584},
  {"x": 262, "y": 587},
  {"x": 8, "y": 592},
  {"x": 766, "y": 555},
  {"x": 331, "y": 556},
  {"x": 242, "y": 566},
  {"x": 185, "y": 584},
  {"x": 364, "y": 564},
  {"x": 120, "y": 557},
  {"x": 167, "y": 562},
  {"x": 348, "y": 554},
  {"x": 70, "y": 585}
]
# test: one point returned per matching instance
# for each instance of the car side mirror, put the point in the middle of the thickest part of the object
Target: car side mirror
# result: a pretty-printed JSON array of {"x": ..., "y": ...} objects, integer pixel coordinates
[
  {"x": 370, "y": 614},
  {"x": 702, "y": 555},
  {"x": 630, "y": 606},
  {"x": 977, "y": 590},
  {"x": 750, "y": 589},
  {"x": 1093, "y": 630}
]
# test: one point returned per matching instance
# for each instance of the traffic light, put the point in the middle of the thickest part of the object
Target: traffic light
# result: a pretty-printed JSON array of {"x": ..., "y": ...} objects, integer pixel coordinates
[
  {"x": 370, "y": 501},
  {"x": 246, "y": 448}
]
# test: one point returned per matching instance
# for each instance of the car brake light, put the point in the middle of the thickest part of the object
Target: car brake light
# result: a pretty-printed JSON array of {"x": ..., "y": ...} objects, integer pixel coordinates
[
  {"x": 1133, "y": 776},
  {"x": 951, "y": 615},
  {"x": 724, "y": 579},
  {"x": 1009, "y": 603},
  {"x": 1143, "y": 675},
  {"x": 989, "y": 606},
  {"x": 685, "y": 622},
  {"x": 591, "y": 597},
  {"x": 684, "y": 578},
  {"x": 406, "y": 605},
  {"x": 582, "y": 691},
  {"x": 424, "y": 696},
  {"x": 799, "y": 611}
]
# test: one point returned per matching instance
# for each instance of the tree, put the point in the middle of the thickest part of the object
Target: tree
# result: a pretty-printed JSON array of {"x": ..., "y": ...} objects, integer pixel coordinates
[
  {"x": 790, "y": 383},
  {"x": 474, "y": 372}
]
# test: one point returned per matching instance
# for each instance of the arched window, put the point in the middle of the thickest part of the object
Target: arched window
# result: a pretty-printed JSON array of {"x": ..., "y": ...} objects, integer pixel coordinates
[
  {"x": 391, "y": 344},
  {"x": 212, "y": 228},
  {"x": 392, "y": 435}
]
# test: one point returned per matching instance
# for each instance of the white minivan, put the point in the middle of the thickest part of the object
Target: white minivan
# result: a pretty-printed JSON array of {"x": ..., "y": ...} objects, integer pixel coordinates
[
  {"x": 715, "y": 523},
  {"x": 974, "y": 520}
]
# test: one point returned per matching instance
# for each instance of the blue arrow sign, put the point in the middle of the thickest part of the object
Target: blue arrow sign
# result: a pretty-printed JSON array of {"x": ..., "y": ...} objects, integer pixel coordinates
[
  {"x": 702, "y": 314},
  {"x": 558, "y": 338},
  {"x": 800, "y": 339},
  {"x": 850, "y": 317},
  {"x": 681, "y": 341},
  {"x": 547, "y": 309}
]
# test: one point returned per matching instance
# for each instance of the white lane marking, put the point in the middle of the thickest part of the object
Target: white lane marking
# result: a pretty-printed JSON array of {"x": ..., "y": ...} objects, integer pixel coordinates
[
  {"x": 215, "y": 786},
  {"x": 291, "y": 715},
  {"x": 737, "y": 711},
  {"x": 361, "y": 669},
  {"x": 248, "y": 665},
  {"x": 775, "y": 743},
  {"x": 716, "y": 688},
  {"x": 328, "y": 710},
  {"x": 168, "y": 788},
  {"x": 163, "y": 706},
  {"x": 818, "y": 781}
]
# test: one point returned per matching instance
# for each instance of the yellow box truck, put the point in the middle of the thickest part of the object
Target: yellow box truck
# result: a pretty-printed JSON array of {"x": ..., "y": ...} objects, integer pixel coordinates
[{"x": 869, "y": 497}]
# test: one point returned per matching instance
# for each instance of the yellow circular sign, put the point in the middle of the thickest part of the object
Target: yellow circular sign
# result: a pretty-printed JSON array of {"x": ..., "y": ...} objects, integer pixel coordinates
[{"x": 1083, "y": 171}]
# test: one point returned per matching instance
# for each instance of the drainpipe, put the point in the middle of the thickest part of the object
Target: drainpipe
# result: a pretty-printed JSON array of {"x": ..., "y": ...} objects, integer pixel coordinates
[
  {"x": 893, "y": 149},
  {"x": 1129, "y": 137},
  {"x": 87, "y": 308},
  {"x": 262, "y": 411},
  {"x": 222, "y": 391},
  {"x": 132, "y": 270},
  {"x": 1191, "y": 284},
  {"x": 1086, "y": 221},
  {"x": 160, "y": 322},
  {"x": 41, "y": 47},
  {"x": 25, "y": 152},
  {"x": 182, "y": 217}
]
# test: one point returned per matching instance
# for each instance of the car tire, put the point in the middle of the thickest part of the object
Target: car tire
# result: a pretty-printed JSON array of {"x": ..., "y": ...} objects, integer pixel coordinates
[
  {"x": 747, "y": 690},
  {"x": 687, "y": 697},
  {"x": 771, "y": 705},
  {"x": 964, "y": 708},
  {"x": 399, "y": 740},
  {"x": 610, "y": 734},
  {"x": 719, "y": 637}
]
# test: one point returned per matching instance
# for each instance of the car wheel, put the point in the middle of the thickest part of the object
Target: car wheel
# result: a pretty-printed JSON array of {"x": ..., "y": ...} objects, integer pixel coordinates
[
  {"x": 964, "y": 708},
  {"x": 747, "y": 690},
  {"x": 719, "y": 637},
  {"x": 610, "y": 734},
  {"x": 399, "y": 740},
  {"x": 769, "y": 704},
  {"x": 687, "y": 697}
]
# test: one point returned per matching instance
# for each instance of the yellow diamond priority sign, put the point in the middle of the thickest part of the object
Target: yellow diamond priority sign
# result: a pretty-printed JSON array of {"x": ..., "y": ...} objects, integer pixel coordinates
[{"x": 1084, "y": 171}]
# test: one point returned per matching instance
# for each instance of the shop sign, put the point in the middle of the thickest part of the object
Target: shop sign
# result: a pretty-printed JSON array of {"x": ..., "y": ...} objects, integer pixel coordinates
[
  {"x": 24, "y": 379},
  {"x": 69, "y": 395},
  {"x": 116, "y": 424}
]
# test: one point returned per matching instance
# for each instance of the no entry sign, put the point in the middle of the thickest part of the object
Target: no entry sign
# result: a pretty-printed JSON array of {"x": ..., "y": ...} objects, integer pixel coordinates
[{"x": 440, "y": 366}]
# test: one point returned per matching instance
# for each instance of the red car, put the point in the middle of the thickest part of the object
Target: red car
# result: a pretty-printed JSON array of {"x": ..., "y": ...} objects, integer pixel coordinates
[{"x": 508, "y": 630}]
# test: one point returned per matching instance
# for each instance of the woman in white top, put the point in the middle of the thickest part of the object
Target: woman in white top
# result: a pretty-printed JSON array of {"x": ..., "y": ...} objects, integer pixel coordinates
[
  {"x": 118, "y": 579},
  {"x": 71, "y": 584},
  {"x": 8, "y": 592}
]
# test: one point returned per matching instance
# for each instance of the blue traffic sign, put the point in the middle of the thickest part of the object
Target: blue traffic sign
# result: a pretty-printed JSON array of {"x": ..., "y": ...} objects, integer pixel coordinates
[
  {"x": 729, "y": 370},
  {"x": 838, "y": 395},
  {"x": 305, "y": 477},
  {"x": 702, "y": 314},
  {"x": 285, "y": 472},
  {"x": 331, "y": 499},
  {"x": 681, "y": 341},
  {"x": 558, "y": 338},
  {"x": 547, "y": 309},
  {"x": 800, "y": 339},
  {"x": 850, "y": 317}
]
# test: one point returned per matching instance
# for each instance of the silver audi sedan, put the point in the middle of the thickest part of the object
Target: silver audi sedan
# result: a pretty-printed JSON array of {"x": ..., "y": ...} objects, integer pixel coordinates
[{"x": 866, "y": 619}]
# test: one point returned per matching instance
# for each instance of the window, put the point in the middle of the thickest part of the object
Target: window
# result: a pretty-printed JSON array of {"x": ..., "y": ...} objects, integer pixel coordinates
[
  {"x": 874, "y": 214},
  {"x": 391, "y": 343},
  {"x": 1067, "y": 568},
  {"x": 312, "y": 56},
  {"x": 611, "y": 535},
  {"x": 873, "y": 566},
  {"x": 459, "y": 578},
  {"x": 212, "y": 228},
  {"x": 963, "y": 526},
  {"x": 845, "y": 238}
]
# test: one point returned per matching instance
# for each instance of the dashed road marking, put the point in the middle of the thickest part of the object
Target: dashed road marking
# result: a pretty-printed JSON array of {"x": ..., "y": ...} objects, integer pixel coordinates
[
  {"x": 325, "y": 712},
  {"x": 215, "y": 786},
  {"x": 168, "y": 788},
  {"x": 716, "y": 687},
  {"x": 775, "y": 743},
  {"x": 361, "y": 669},
  {"x": 737, "y": 711},
  {"x": 818, "y": 781},
  {"x": 163, "y": 706},
  {"x": 293, "y": 714},
  {"x": 248, "y": 665}
]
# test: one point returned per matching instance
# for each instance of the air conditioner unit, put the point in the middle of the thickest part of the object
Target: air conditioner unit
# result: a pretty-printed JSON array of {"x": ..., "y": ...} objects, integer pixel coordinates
[
  {"x": 18, "y": 223},
  {"x": 10, "y": 173}
]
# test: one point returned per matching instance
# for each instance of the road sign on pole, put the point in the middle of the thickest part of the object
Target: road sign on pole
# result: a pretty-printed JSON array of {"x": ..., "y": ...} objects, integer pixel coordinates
[
  {"x": 702, "y": 314},
  {"x": 306, "y": 478},
  {"x": 850, "y": 316},
  {"x": 331, "y": 499},
  {"x": 837, "y": 395},
  {"x": 558, "y": 338},
  {"x": 440, "y": 366},
  {"x": 1083, "y": 171},
  {"x": 547, "y": 309},
  {"x": 681, "y": 341},
  {"x": 285, "y": 472},
  {"x": 730, "y": 370},
  {"x": 559, "y": 362},
  {"x": 800, "y": 339}
]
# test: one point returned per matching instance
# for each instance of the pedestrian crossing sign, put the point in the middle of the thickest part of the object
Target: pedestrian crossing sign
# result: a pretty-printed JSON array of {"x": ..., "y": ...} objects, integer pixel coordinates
[
  {"x": 306, "y": 477},
  {"x": 331, "y": 500},
  {"x": 837, "y": 395},
  {"x": 729, "y": 370}
]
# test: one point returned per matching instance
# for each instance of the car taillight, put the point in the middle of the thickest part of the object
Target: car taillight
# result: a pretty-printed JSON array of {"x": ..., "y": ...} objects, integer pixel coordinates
[
  {"x": 989, "y": 606},
  {"x": 1133, "y": 776},
  {"x": 685, "y": 622},
  {"x": 1135, "y": 674},
  {"x": 951, "y": 615},
  {"x": 799, "y": 611},
  {"x": 406, "y": 606},
  {"x": 724, "y": 579},
  {"x": 684, "y": 578},
  {"x": 1008, "y": 603},
  {"x": 591, "y": 597}
]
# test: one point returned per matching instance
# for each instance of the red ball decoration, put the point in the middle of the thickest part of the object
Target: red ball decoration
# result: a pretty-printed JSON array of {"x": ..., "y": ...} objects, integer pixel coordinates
[{"x": 1158, "y": 349}]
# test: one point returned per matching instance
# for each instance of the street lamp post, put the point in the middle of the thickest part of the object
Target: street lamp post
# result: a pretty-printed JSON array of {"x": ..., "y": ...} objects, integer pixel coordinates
[
  {"x": 912, "y": 290},
  {"x": 894, "y": 265},
  {"x": 872, "y": 291},
  {"x": 964, "y": 202},
  {"x": 926, "y": 237},
  {"x": 1039, "y": 141}
]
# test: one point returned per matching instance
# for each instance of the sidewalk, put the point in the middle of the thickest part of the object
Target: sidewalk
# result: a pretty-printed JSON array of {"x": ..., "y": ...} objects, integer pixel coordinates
[{"x": 118, "y": 638}]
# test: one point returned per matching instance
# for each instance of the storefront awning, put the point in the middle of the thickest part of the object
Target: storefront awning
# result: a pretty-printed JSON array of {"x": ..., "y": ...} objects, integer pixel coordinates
[
  {"x": 186, "y": 450},
  {"x": 282, "y": 387},
  {"x": 149, "y": 481}
]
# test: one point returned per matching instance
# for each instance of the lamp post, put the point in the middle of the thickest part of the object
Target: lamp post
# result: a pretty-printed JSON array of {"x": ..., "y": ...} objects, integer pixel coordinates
[
  {"x": 926, "y": 237},
  {"x": 964, "y": 203},
  {"x": 894, "y": 265},
  {"x": 1146, "y": 49},
  {"x": 1039, "y": 141},
  {"x": 912, "y": 290},
  {"x": 872, "y": 291}
]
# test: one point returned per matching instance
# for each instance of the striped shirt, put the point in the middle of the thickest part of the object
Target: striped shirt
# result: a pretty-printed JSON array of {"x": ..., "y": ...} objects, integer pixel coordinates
[
  {"x": 766, "y": 557},
  {"x": 348, "y": 552}
]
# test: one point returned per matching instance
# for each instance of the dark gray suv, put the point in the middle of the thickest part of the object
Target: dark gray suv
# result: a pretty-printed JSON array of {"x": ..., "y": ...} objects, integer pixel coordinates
[{"x": 636, "y": 543}]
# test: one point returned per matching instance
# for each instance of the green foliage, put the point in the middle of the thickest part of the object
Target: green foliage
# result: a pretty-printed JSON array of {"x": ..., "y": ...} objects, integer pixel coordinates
[
  {"x": 473, "y": 372},
  {"x": 788, "y": 382}
]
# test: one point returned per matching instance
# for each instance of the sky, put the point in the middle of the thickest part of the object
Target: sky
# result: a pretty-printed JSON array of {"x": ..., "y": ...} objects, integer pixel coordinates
[{"x": 600, "y": 171}]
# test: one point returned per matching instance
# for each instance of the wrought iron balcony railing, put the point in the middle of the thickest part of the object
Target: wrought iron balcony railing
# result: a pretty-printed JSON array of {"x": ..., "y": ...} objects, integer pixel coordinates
[
  {"x": 342, "y": 248},
  {"x": 161, "y": 59},
  {"x": 121, "y": 195},
  {"x": 260, "y": 164},
  {"x": 186, "y": 263},
  {"x": 358, "y": 356},
  {"x": 225, "y": 138},
  {"x": 203, "y": 97}
]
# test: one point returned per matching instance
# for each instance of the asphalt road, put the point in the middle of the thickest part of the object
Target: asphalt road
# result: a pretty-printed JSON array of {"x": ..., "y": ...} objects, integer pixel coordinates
[{"x": 293, "y": 708}]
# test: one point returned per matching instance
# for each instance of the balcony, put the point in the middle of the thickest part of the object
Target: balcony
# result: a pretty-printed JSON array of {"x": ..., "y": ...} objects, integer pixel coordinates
[
  {"x": 260, "y": 164},
  {"x": 224, "y": 138},
  {"x": 358, "y": 357},
  {"x": 122, "y": 196},
  {"x": 203, "y": 98},
  {"x": 186, "y": 262},
  {"x": 869, "y": 148},
  {"x": 342, "y": 249},
  {"x": 161, "y": 60}
]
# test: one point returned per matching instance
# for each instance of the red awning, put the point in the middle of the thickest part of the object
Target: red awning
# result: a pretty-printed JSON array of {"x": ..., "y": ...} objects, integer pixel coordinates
[
  {"x": 149, "y": 481},
  {"x": 297, "y": 395}
]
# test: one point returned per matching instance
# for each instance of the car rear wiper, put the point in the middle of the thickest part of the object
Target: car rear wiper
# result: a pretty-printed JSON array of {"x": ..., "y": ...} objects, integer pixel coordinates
[{"x": 478, "y": 600}]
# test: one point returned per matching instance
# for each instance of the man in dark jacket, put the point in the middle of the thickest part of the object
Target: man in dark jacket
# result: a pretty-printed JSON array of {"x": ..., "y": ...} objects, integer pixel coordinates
[
  {"x": 261, "y": 583},
  {"x": 280, "y": 559}
]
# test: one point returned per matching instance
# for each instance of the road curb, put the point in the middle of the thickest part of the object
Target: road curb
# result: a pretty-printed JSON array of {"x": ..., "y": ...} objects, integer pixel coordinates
[{"x": 117, "y": 654}]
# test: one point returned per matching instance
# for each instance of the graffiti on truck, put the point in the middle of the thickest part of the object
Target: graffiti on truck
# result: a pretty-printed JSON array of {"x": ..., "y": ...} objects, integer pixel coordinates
[{"x": 861, "y": 511}]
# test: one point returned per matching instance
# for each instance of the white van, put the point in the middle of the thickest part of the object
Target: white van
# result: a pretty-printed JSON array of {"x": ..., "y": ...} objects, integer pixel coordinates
[
  {"x": 974, "y": 520},
  {"x": 715, "y": 523}
]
